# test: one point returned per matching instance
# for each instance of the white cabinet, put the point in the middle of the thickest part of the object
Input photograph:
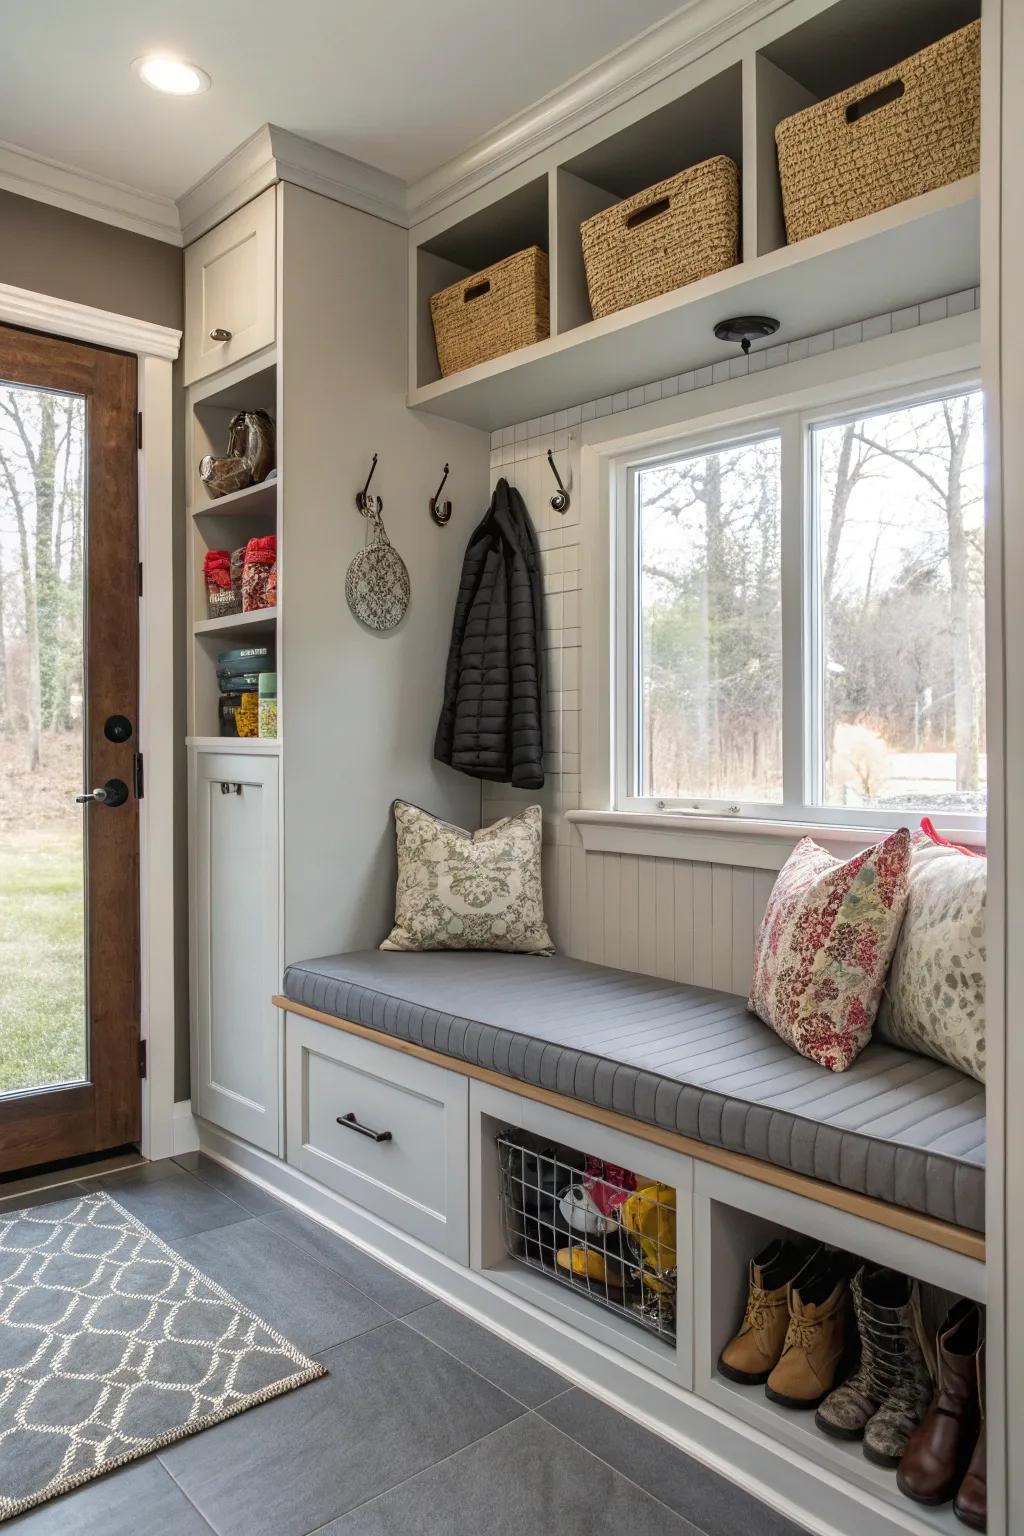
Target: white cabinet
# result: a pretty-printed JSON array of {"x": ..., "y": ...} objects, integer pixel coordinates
[
  {"x": 230, "y": 289},
  {"x": 386, "y": 1130},
  {"x": 235, "y": 877}
]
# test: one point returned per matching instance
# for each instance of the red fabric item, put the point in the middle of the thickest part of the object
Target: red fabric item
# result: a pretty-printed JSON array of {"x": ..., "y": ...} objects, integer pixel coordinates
[
  {"x": 928, "y": 828},
  {"x": 261, "y": 551},
  {"x": 217, "y": 568},
  {"x": 608, "y": 1185}
]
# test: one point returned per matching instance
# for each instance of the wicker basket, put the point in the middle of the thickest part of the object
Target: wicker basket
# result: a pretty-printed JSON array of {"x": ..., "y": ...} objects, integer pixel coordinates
[
  {"x": 903, "y": 132},
  {"x": 495, "y": 311},
  {"x": 674, "y": 233}
]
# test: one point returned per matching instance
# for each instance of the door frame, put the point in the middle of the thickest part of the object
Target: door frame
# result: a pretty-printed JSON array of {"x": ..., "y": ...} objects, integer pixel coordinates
[{"x": 166, "y": 1128}]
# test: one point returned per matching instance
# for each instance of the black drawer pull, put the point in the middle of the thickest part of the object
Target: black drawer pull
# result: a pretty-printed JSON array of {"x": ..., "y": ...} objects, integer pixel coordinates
[{"x": 350, "y": 1123}]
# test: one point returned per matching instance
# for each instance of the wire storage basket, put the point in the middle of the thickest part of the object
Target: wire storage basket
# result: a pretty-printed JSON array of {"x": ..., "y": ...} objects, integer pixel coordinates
[{"x": 593, "y": 1227}]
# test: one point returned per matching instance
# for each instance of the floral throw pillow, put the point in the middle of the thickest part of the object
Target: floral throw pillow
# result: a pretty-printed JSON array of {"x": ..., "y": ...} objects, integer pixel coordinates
[
  {"x": 826, "y": 940},
  {"x": 469, "y": 890},
  {"x": 934, "y": 999}
]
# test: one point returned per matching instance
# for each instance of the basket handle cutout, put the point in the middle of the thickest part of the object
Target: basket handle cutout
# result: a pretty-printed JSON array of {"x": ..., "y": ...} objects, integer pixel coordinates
[
  {"x": 652, "y": 211},
  {"x": 875, "y": 99},
  {"x": 476, "y": 291}
]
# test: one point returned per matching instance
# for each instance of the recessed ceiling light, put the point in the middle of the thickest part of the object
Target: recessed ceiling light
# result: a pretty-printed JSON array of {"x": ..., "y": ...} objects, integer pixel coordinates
[{"x": 173, "y": 76}]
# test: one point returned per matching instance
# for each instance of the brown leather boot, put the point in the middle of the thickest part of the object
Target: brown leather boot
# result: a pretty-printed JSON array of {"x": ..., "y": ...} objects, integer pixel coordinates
[
  {"x": 752, "y": 1354},
  {"x": 971, "y": 1502},
  {"x": 819, "y": 1303},
  {"x": 939, "y": 1450}
]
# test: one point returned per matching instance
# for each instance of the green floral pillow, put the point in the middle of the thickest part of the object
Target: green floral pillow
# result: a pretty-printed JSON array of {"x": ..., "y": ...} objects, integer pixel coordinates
[{"x": 469, "y": 890}]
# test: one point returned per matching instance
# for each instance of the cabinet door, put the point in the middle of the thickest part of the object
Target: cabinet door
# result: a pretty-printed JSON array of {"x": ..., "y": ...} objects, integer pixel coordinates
[
  {"x": 236, "y": 1059},
  {"x": 230, "y": 284}
]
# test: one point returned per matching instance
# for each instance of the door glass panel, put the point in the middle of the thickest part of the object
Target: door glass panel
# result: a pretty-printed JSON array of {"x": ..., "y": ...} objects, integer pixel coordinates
[{"x": 43, "y": 1028}]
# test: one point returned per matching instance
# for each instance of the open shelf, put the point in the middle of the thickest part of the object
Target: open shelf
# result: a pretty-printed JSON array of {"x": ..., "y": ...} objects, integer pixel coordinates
[
  {"x": 917, "y": 250},
  {"x": 510, "y": 224},
  {"x": 259, "y": 500},
  {"x": 234, "y": 743},
  {"x": 256, "y": 623}
]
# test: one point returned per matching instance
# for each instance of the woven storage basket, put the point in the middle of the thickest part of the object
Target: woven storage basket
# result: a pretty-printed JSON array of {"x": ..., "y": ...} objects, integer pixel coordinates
[
  {"x": 674, "y": 233},
  {"x": 495, "y": 311},
  {"x": 903, "y": 132}
]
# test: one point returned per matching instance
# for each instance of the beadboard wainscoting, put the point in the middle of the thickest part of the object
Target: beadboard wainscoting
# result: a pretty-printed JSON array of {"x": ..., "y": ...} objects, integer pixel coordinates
[{"x": 683, "y": 919}]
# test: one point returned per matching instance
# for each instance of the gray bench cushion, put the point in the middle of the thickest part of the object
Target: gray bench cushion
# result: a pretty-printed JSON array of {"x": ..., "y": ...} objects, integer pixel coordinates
[{"x": 896, "y": 1126}]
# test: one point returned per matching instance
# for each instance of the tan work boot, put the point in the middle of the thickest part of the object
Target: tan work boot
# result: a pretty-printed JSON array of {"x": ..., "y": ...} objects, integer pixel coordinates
[
  {"x": 819, "y": 1302},
  {"x": 752, "y": 1354}
]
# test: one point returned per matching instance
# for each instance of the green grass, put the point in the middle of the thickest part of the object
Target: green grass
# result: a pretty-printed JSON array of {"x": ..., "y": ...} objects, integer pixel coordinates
[{"x": 42, "y": 986}]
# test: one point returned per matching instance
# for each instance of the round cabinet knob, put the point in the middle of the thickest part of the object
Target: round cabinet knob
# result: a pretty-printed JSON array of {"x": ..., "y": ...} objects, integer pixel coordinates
[{"x": 220, "y": 334}]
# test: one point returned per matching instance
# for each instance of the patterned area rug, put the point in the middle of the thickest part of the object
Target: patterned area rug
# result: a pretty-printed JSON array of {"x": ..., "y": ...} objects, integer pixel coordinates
[{"x": 112, "y": 1346}]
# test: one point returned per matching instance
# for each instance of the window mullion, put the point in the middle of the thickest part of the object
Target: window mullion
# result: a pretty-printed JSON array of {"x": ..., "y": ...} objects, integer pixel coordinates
[{"x": 795, "y": 567}]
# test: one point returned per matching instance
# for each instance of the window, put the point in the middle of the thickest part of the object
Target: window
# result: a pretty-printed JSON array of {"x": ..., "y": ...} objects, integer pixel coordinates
[
  {"x": 709, "y": 666},
  {"x": 802, "y": 611}
]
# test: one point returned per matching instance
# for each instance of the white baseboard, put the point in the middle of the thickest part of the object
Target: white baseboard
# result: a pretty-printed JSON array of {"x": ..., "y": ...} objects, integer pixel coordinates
[
  {"x": 185, "y": 1130},
  {"x": 807, "y": 1494}
]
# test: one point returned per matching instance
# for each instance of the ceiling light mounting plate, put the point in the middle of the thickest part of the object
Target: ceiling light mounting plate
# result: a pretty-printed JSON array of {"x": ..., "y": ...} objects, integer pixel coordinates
[{"x": 746, "y": 328}]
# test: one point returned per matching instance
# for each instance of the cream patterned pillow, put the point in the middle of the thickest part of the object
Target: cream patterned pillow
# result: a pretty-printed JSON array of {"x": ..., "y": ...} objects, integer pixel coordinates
[
  {"x": 469, "y": 890},
  {"x": 934, "y": 998}
]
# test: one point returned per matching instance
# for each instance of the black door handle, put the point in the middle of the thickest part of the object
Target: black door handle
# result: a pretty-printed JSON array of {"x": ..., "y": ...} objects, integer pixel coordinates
[
  {"x": 113, "y": 793},
  {"x": 350, "y": 1123}
]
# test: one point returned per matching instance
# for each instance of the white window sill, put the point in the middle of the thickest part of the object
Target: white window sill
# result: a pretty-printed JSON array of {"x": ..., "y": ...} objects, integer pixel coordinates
[{"x": 745, "y": 843}]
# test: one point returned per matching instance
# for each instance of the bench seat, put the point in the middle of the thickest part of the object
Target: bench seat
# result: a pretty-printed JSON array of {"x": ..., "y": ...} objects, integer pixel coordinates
[{"x": 897, "y": 1127}]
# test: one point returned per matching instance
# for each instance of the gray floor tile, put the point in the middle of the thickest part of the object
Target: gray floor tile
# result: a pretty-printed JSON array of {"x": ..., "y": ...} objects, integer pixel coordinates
[
  {"x": 392, "y": 1405},
  {"x": 143, "y": 1497},
  {"x": 313, "y": 1306},
  {"x": 387, "y": 1287},
  {"x": 716, "y": 1506},
  {"x": 50, "y": 1196},
  {"x": 509, "y": 1368},
  {"x": 523, "y": 1481},
  {"x": 254, "y": 1199},
  {"x": 171, "y": 1202}
]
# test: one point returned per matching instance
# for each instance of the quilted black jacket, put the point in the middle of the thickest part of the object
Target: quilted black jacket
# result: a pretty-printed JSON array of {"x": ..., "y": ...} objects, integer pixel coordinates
[{"x": 492, "y": 718}]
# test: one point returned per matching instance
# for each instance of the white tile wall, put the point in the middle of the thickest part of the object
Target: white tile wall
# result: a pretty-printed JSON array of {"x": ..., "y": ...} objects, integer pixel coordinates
[{"x": 691, "y": 922}]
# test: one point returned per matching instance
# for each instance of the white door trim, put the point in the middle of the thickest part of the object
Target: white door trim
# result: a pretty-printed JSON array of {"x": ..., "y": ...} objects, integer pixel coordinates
[{"x": 156, "y": 346}]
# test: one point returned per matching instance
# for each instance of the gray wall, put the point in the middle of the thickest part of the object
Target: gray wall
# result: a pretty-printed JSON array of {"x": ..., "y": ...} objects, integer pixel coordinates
[{"x": 51, "y": 251}]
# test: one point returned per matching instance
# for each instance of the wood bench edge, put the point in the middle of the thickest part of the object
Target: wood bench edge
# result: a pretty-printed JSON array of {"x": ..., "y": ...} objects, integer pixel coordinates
[{"x": 929, "y": 1229}]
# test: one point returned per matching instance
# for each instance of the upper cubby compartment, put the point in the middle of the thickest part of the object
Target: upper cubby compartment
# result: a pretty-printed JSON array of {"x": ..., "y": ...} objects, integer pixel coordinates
[
  {"x": 505, "y": 227},
  {"x": 705, "y": 122},
  {"x": 836, "y": 49},
  {"x": 858, "y": 256},
  {"x": 250, "y": 387}
]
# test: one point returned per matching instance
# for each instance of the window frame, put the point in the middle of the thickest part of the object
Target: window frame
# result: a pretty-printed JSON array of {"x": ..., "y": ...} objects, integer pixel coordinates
[{"x": 803, "y": 761}]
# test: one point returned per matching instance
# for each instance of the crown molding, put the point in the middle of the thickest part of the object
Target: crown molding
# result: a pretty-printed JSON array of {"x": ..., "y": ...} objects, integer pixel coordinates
[
  {"x": 693, "y": 30},
  {"x": 63, "y": 317},
  {"x": 273, "y": 154},
  {"x": 95, "y": 197}
]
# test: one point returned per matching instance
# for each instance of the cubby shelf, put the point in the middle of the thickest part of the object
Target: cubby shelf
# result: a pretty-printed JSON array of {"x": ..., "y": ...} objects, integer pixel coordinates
[
  {"x": 259, "y": 500},
  {"x": 234, "y": 743},
  {"x": 257, "y": 622},
  {"x": 845, "y": 1457},
  {"x": 920, "y": 249}
]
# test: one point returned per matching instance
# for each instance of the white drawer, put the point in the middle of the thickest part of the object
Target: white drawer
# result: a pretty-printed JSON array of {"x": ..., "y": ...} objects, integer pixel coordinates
[
  {"x": 416, "y": 1175},
  {"x": 230, "y": 289}
]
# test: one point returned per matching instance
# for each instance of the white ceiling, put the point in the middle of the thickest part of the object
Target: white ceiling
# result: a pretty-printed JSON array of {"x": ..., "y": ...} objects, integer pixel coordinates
[{"x": 399, "y": 84}]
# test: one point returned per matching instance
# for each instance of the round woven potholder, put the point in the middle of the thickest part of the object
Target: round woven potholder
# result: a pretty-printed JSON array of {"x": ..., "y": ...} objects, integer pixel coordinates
[{"x": 377, "y": 582}]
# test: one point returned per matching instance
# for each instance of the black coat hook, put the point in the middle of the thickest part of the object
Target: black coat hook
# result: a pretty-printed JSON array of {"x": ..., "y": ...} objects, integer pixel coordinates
[
  {"x": 440, "y": 511},
  {"x": 560, "y": 500},
  {"x": 364, "y": 502}
]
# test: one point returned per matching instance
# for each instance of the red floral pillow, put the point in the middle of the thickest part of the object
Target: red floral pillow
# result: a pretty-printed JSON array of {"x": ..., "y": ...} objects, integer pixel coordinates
[{"x": 825, "y": 944}]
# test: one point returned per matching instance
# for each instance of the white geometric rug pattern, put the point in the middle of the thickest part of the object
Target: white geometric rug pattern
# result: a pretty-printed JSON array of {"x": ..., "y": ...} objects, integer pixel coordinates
[{"x": 112, "y": 1346}]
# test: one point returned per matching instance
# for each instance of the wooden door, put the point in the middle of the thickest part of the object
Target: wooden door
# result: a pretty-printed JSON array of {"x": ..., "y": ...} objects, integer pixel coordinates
[
  {"x": 69, "y": 867},
  {"x": 236, "y": 1075}
]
